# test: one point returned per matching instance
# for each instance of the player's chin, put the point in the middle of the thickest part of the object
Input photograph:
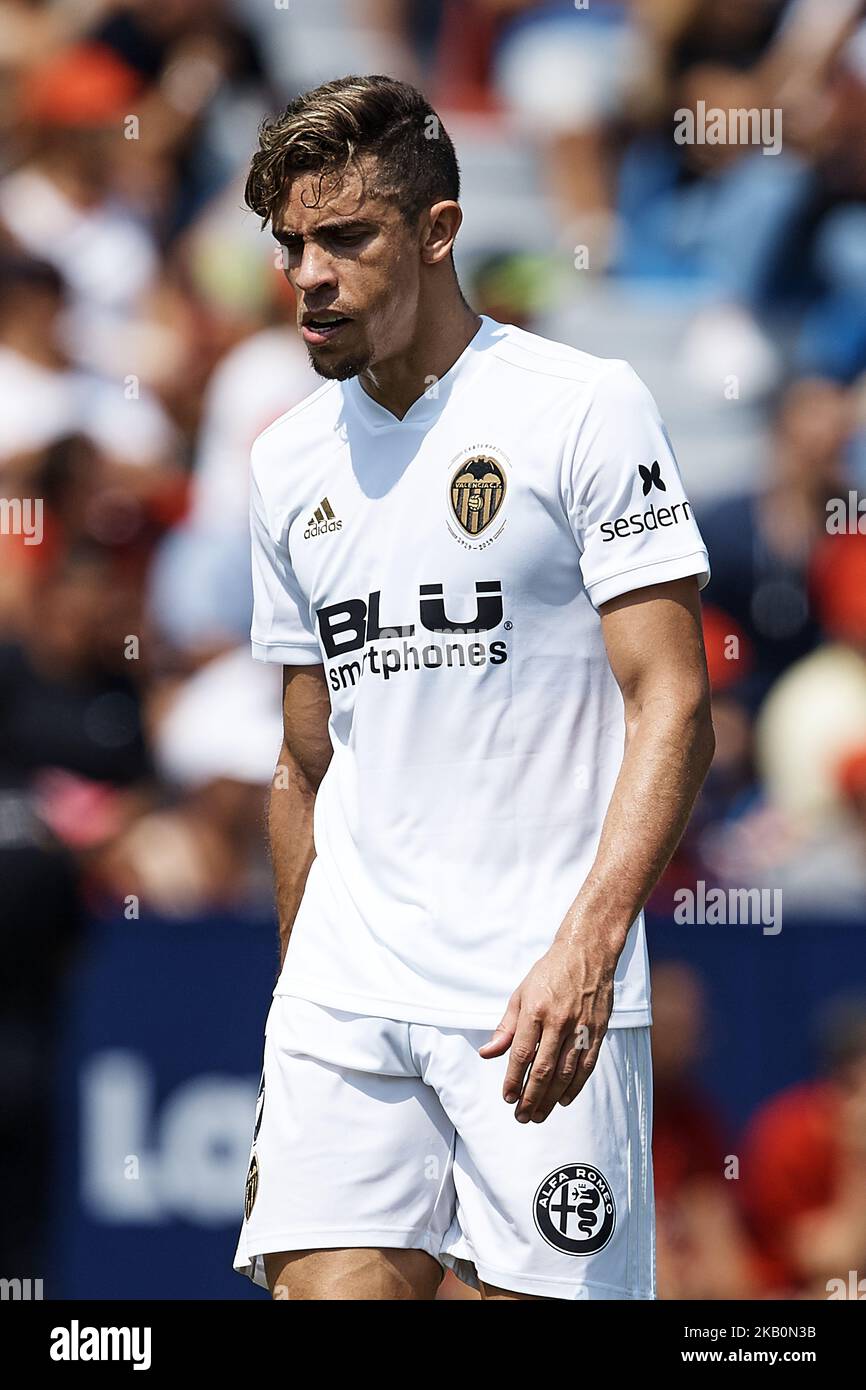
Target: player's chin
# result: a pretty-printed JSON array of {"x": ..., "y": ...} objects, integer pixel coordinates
[{"x": 337, "y": 367}]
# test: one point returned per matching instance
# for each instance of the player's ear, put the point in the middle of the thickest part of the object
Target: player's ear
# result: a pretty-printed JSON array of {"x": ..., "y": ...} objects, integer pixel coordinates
[{"x": 439, "y": 228}]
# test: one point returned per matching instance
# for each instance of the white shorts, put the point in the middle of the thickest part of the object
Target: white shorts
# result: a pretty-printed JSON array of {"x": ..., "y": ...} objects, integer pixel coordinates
[{"x": 375, "y": 1133}]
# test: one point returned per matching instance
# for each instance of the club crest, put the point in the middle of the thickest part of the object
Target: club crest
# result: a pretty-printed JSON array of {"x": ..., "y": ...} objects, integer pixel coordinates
[{"x": 477, "y": 492}]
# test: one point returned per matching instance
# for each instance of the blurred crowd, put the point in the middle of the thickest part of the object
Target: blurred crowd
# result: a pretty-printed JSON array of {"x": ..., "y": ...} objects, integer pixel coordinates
[{"x": 145, "y": 339}]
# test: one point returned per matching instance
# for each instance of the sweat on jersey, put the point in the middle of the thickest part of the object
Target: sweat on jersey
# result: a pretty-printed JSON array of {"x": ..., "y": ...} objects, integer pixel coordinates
[{"x": 446, "y": 569}]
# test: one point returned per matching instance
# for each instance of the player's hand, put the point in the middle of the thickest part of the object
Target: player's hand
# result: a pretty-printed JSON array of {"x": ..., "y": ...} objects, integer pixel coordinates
[{"x": 554, "y": 1025}]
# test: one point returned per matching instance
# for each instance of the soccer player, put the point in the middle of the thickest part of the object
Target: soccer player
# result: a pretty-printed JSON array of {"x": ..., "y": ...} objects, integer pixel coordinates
[{"x": 474, "y": 559}]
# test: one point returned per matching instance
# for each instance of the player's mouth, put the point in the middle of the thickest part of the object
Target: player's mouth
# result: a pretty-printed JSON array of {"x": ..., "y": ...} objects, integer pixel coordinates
[{"x": 321, "y": 328}]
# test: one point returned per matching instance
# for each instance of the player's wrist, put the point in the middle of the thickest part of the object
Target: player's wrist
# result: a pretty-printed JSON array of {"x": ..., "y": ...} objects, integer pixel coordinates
[{"x": 596, "y": 923}]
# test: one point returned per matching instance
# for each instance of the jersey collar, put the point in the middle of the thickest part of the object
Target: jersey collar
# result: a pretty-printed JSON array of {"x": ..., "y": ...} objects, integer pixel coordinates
[{"x": 428, "y": 406}]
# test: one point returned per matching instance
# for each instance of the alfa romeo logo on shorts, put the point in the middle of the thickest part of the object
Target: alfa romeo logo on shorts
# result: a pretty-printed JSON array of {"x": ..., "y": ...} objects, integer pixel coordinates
[{"x": 574, "y": 1209}]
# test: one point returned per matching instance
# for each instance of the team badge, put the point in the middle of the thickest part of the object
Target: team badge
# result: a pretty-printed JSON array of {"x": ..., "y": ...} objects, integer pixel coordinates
[
  {"x": 477, "y": 492},
  {"x": 251, "y": 1188},
  {"x": 574, "y": 1209},
  {"x": 260, "y": 1105}
]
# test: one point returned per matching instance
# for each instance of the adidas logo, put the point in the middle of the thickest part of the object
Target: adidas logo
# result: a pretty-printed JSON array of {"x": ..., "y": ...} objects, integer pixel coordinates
[{"x": 322, "y": 520}]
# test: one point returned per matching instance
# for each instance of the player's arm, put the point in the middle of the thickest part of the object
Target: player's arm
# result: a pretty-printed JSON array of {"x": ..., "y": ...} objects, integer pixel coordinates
[
  {"x": 304, "y": 757},
  {"x": 283, "y": 631},
  {"x": 557, "y": 1018}
]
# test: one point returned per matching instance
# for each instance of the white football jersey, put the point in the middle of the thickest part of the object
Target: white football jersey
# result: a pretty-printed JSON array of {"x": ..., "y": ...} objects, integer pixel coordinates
[{"x": 446, "y": 569}]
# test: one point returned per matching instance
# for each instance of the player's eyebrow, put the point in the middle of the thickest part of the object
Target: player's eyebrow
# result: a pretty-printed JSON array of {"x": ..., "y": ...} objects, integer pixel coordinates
[{"x": 349, "y": 224}]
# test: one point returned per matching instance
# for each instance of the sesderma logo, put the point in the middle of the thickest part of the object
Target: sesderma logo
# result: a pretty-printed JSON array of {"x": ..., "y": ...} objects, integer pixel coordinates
[
  {"x": 653, "y": 518},
  {"x": 650, "y": 520},
  {"x": 651, "y": 477}
]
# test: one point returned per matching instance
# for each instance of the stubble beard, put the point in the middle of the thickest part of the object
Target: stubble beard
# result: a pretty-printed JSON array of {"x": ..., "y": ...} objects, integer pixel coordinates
[{"x": 342, "y": 370}]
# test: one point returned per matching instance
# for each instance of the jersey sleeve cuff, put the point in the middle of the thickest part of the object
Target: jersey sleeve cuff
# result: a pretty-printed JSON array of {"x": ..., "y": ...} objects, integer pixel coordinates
[
  {"x": 656, "y": 572},
  {"x": 287, "y": 654}
]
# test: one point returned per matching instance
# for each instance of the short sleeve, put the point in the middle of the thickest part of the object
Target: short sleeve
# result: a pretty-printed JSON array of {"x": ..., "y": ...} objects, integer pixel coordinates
[
  {"x": 281, "y": 629},
  {"x": 624, "y": 496}
]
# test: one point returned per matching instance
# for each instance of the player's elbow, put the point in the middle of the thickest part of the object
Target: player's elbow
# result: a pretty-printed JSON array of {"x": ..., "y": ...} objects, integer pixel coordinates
[
  {"x": 696, "y": 714},
  {"x": 678, "y": 712}
]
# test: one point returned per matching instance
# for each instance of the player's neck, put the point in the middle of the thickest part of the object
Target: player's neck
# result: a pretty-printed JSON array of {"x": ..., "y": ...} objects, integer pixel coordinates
[{"x": 398, "y": 382}]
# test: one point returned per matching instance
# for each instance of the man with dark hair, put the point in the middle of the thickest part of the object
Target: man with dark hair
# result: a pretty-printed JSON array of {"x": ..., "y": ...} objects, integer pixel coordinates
[
  {"x": 474, "y": 559},
  {"x": 379, "y": 143},
  {"x": 378, "y": 116}
]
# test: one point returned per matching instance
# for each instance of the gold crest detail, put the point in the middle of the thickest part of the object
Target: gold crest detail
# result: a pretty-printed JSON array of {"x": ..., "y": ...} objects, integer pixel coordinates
[{"x": 477, "y": 493}]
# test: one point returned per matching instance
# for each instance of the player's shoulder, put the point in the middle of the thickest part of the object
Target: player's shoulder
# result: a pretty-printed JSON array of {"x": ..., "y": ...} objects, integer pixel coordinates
[
  {"x": 610, "y": 380},
  {"x": 314, "y": 417}
]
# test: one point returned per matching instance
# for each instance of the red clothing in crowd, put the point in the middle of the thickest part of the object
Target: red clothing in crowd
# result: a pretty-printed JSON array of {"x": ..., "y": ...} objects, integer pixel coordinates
[
  {"x": 687, "y": 1140},
  {"x": 790, "y": 1167}
]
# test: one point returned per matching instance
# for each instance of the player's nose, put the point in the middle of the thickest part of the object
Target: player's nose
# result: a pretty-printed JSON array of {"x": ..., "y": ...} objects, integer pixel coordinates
[{"x": 314, "y": 269}]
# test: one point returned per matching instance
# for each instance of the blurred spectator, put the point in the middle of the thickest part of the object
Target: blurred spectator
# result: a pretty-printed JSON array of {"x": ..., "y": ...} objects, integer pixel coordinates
[
  {"x": 767, "y": 235},
  {"x": 762, "y": 543},
  {"x": 804, "y": 1168},
  {"x": 810, "y": 731},
  {"x": 216, "y": 739},
  {"x": 702, "y": 1249},
  {"x": 568, "y": 75},
  {"x": 31, "y": 31},
  {"x": 41, "y": 930},
  {"x": 46, "y": 396},
  {"x": 67, "y": 697},
  {"x": 62, "y": 201},
  {"x": 201, "y": 590},
  {"x": 207, "y": 88},
  {"x": 565, "y": 75}
]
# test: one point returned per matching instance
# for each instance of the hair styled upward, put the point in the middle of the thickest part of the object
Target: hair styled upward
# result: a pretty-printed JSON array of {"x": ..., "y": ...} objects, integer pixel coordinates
[{"x": 326, "y": 130}]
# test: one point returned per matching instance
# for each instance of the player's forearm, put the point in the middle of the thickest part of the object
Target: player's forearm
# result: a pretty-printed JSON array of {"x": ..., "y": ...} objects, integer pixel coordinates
[
  {"x": 290, "y": 832},
  {"x": 669, "y": 747}
]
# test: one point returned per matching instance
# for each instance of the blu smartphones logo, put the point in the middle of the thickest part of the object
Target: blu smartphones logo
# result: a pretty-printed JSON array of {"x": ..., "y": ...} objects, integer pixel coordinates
[{"x": 350, "y": 624}]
